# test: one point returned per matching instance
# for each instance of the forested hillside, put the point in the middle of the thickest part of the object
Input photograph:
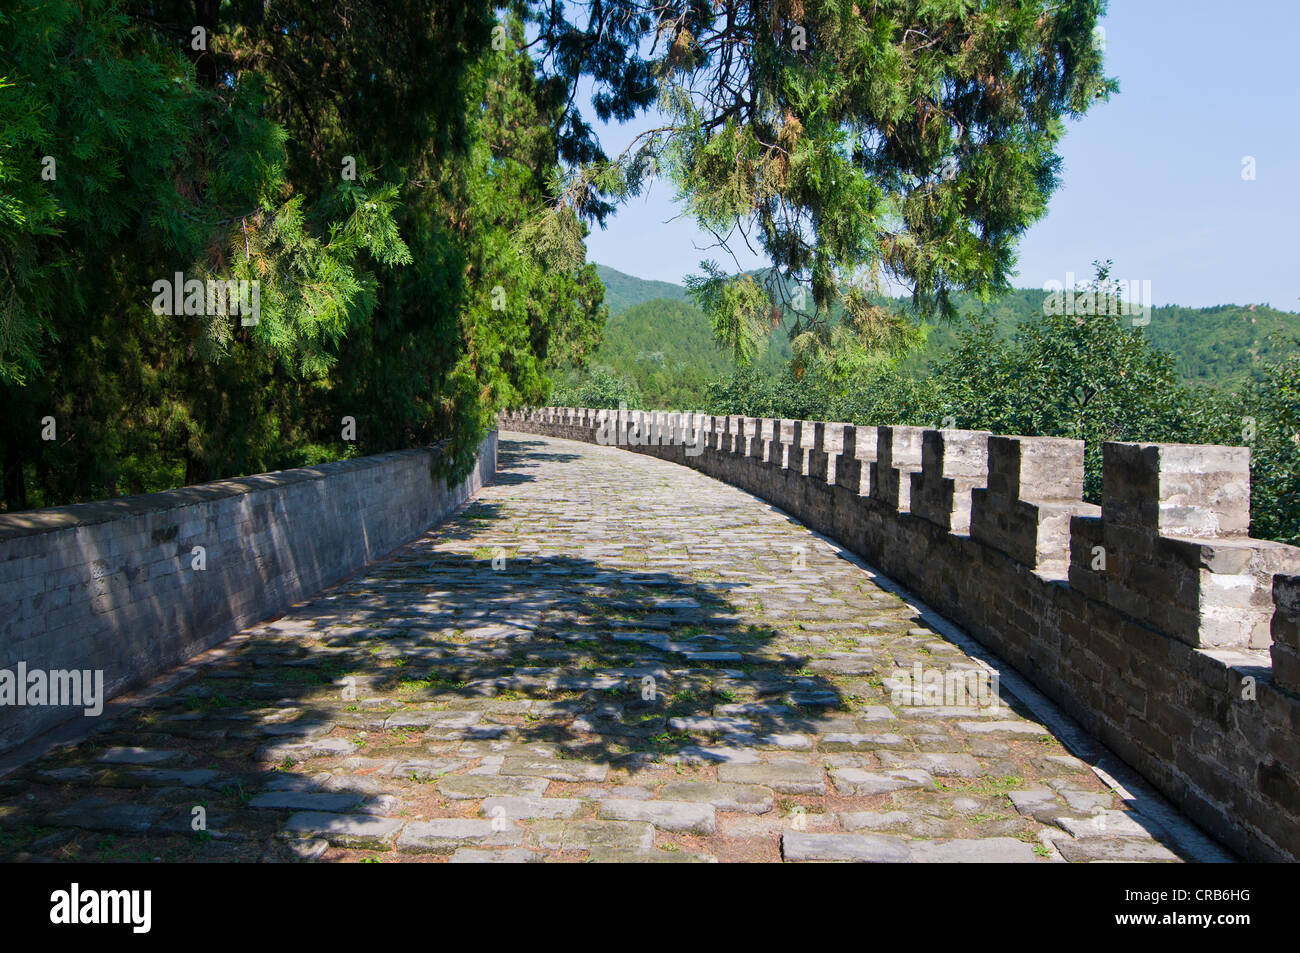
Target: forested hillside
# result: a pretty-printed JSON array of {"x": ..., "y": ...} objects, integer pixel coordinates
[
  {"x": 1225, "y": 345},
  {"x": 663, "y": 345},
  {"x": 657, "y": 338},
  {"x": 624, "y": 291}
]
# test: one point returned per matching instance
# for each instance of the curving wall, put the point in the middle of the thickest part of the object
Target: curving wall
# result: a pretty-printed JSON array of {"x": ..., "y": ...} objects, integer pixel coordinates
[
  {"x": 1153, "y": 619},
  {"x": 117, "y": 587}
]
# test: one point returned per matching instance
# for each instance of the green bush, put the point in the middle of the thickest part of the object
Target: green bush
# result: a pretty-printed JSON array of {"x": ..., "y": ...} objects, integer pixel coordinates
[
  {"x": 600, "y": 389},
  {"x": 1274, "y": 405}
]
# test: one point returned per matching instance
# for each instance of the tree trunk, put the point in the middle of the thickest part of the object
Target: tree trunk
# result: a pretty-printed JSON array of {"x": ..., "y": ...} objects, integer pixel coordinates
[{"x": 15, "y": 489}]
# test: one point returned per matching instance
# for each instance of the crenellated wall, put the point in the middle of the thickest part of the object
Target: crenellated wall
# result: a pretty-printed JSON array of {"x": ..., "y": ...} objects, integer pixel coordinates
[{"x": 1148, "y": 619}]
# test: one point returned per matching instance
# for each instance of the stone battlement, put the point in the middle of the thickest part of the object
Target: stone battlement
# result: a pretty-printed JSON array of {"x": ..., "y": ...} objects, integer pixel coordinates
[{"x": 1150, "y": 619}]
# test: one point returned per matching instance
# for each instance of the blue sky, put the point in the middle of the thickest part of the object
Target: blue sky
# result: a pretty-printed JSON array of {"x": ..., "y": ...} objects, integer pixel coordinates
[{"x": 1152, "y": 179}]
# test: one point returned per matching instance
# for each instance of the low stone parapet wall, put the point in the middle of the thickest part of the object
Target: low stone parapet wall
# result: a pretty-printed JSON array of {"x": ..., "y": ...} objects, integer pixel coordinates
[{"x": 98, "y": 598}]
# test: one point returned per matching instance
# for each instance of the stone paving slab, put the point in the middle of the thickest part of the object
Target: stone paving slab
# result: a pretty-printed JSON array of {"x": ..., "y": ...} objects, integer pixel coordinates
[{"x": 603, "y": 658}]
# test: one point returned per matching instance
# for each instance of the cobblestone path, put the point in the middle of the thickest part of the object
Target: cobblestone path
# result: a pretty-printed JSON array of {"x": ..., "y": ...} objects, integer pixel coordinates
[{"x": 603, "y": 657}]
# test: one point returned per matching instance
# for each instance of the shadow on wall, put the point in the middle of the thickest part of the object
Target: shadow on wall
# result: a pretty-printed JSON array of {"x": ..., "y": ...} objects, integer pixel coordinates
[
  {"x": 609, "y": 657},
  {"x": 134, "y": 587}
]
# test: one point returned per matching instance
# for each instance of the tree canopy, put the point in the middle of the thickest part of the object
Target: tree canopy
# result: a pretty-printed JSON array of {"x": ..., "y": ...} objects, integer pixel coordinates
[
  {"x": 407, "y": 185},
  {"x": 852, "y": 141},
  {"x": 379, "y": 169}
]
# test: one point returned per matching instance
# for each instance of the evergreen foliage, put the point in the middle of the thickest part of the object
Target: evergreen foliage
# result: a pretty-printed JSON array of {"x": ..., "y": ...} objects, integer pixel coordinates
[
  {"x": 384, "y": 172},
  {"x": 1089, "y": 377},
  {"x": 913, "y": 139}
]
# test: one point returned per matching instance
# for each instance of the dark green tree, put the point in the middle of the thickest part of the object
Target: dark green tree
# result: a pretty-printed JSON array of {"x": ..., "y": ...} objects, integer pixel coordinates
[{"x": 382, "y": 170}]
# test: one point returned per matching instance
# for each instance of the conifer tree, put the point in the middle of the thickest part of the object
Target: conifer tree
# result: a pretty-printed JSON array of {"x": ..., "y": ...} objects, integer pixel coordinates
[
  {"x": 337, "y": 155},
  {"x": 852, "y": 141}
]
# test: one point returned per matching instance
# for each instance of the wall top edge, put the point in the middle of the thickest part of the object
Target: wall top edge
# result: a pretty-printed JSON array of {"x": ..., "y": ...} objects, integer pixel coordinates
[{"x": 27, "y": 523}]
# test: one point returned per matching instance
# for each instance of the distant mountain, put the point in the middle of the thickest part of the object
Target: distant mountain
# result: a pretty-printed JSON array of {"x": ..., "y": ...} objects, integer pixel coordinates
[
  {"x": 623, "y": 291},
  {"x": 666, "y": 346},
  {"x": 656, "y": 336},
  {"x": 1225, "y": 345}
]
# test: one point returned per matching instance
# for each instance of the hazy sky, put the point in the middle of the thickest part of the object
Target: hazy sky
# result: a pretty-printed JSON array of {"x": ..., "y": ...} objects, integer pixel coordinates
[{"x": 1152, "y": 179}]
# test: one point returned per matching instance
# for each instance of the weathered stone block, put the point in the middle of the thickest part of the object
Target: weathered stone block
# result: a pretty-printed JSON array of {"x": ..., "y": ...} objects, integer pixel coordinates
[
  {"x": 953, "y": 463},
  {"x": 848, "y": 468},
  {"x": 760, "y": 439},
  {"x": 1173, "y": 525},
  {"x": 735, "y": 436},
  {"x": 818, "y": 453},
  {"x": 1285, "y": 631},
  {"x": 1177, "y": 489},
  {"x": 716, "y": 431},
  {"x": 898, "y": 455}
]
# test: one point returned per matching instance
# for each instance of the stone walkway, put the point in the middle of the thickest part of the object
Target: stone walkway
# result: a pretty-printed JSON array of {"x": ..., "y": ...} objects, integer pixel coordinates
[{"x": 603, "y": 657}]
